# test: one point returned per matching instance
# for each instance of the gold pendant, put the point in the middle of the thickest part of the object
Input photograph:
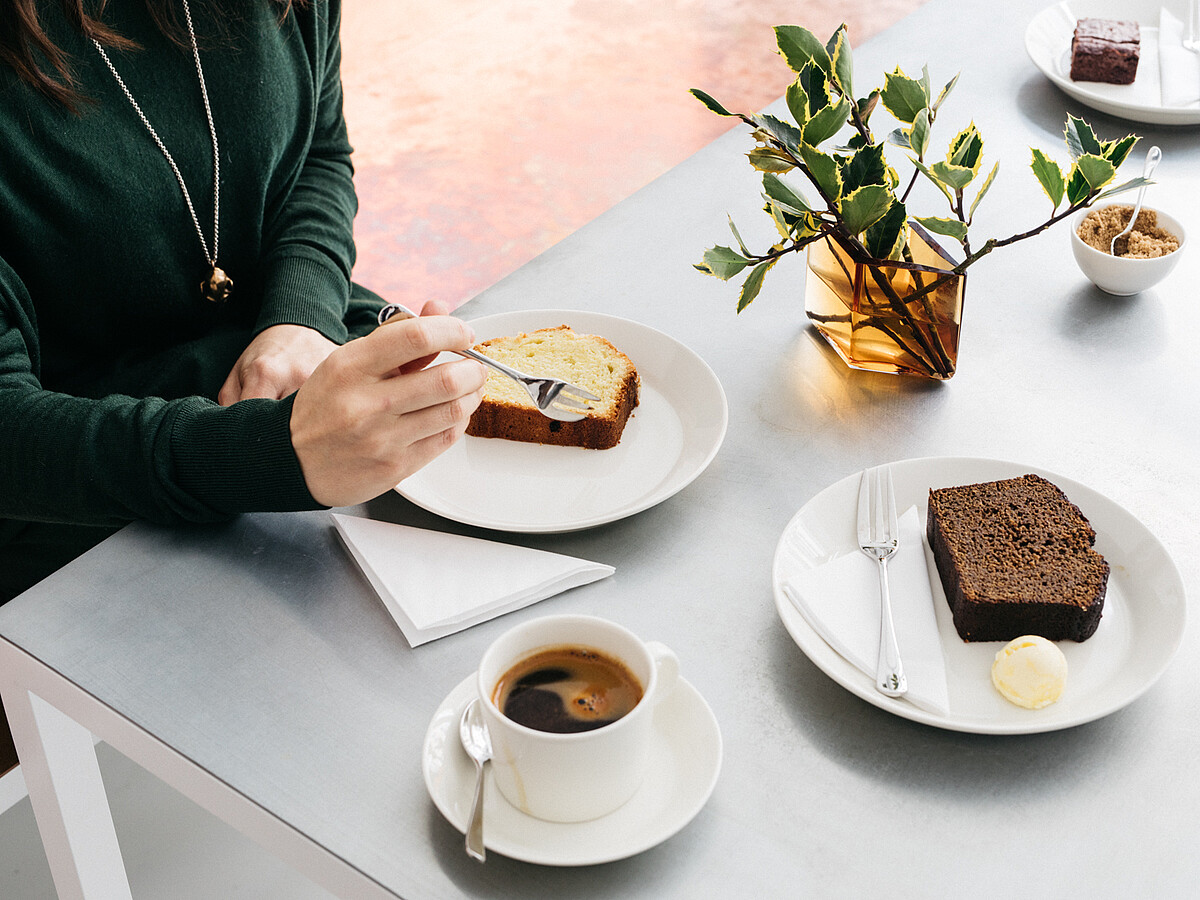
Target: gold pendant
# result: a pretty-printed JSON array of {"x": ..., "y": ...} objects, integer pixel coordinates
[{"x": 217, "y": 287}]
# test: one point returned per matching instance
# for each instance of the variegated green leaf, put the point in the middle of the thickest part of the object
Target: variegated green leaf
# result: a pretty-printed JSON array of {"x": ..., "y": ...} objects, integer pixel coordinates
[
  {"x": 1077, "y": 187},
  {"x": 937, "y": 104},
  {"x": 712, "y": 104},
  {"x": 949, "y": 227},
  {"x": 798, "y": 46},
  {"x": 826, "y": 123},
  {"x": 898, "y": 138},
  {"x": 841, "y": 62},
  {"x": 887, "y": 237},
  {"x": 737, "y": 236},
  {"x": 966, "y": 149},
  {"x": 1117, "y": 151},
  {"x": 866, "y": 166},
  {"x": 788, "y": 135},
  {"x": 865, "y": 206},
  {"x": 753, "y": 284},
  {"x": 954, "y": 177},
  {"x": 814, "y": 82},
  {"x": 987, "y": 183},
  {"x": 768, "y": 159},
  {"x": 903, "y": 97},
  {"x": 1125, "y": 186},
  {"x": 1081, "y": 139},
  {"x": 722, "y": 262},
  {"x": 824, "y": 171},
  {"x": 777, "y": 191},
  {"x": 867, "y": 105},
  {"x": 918, "y": 136},
  {"x": 797, "y": 102},
  {"x": 1096, "y": 170},
  {"x": 1049, "y": 176}
]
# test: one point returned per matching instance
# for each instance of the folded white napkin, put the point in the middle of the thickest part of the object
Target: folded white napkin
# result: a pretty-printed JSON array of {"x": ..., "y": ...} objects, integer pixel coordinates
[
  {"x": 1179, "y": 67},
  {"x": 840, "y": 600},
  {"x": 436, "y": 584}
]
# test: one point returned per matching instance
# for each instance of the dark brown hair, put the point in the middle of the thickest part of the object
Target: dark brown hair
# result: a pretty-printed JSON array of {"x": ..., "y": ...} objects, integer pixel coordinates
[{"x": 24, "y": 43}]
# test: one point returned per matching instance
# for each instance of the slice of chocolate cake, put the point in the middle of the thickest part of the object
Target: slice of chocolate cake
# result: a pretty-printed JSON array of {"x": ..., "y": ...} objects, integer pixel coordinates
[
  {"x": 1105, "y": 50},
  {"x": 1015, "y": 558}
]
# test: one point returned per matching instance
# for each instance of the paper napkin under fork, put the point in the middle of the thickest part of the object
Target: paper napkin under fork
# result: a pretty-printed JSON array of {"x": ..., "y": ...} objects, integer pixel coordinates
[
  {"x": 435, "y": 584},
  {"x": 1179, "y": 67},
  {"x": 840, "y": 600}
]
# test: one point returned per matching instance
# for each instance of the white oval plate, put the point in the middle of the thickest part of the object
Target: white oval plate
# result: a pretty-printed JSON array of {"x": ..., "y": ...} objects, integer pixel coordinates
[
  {"x": 1048, "y": 42},
  {"x": 1142, "y": 625},
  {"x": 671, "y": 438}
]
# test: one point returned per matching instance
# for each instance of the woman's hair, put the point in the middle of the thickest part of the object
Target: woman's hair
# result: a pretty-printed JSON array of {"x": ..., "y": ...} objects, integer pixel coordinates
[{"x": 27, "y": 49}]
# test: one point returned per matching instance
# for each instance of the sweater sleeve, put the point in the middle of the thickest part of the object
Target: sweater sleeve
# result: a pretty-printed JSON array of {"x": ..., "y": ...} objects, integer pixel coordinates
[
  {"x": 309, "y": 248},
  {"x": 110, "y": 460}
]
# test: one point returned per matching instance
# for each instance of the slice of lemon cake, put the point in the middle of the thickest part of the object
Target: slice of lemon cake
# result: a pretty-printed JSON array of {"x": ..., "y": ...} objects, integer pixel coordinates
[{"x": 586, "y": 360}]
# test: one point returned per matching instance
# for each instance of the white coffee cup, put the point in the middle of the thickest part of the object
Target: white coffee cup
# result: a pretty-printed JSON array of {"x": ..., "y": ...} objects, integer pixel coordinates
[{"x": 584, "y": 775}]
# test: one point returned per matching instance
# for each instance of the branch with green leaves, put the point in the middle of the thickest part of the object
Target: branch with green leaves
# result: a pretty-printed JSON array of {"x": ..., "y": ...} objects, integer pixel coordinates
[{"x": 857, "y": 200}]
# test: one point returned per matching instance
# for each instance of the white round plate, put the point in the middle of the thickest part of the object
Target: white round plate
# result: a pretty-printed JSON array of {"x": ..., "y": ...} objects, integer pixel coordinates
[
  {"x": 671, "y": 438},
  {"x": 685, "y": 760},
  {"x": 1048, "y": 42},
  {"x": 1140, "y": 630}
]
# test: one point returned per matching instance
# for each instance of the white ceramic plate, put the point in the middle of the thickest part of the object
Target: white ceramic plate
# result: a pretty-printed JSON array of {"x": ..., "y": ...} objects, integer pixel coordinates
[
  {"x": 1048, "y": 42},
  {"x": 685, "y": 760},
  {"x": 1142, "y": 624},
  {"x": 673, "y": 435}
]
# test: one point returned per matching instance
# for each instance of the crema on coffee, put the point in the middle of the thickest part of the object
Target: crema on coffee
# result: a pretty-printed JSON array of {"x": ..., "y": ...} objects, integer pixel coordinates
[{"x": 567, "y": 689}]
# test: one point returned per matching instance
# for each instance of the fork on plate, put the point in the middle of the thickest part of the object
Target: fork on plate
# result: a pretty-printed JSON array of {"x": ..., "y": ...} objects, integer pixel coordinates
[
  {"x": 554, "y": 398},
  {"x": 879, "y": 538}
]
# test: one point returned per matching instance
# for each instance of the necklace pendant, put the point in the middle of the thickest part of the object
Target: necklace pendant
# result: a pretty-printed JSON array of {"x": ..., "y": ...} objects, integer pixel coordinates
[{"x": 217, "y": 287}]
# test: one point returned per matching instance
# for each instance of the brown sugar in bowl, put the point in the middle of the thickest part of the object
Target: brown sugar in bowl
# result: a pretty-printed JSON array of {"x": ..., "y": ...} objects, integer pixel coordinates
[{"x": 1126, "y": 275}]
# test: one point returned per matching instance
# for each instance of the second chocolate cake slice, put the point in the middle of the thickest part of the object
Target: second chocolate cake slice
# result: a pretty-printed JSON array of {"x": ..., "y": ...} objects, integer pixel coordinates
[{"x": 1016, "y": 557}]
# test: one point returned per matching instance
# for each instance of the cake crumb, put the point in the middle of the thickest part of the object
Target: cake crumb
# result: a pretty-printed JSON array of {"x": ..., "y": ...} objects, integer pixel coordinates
[{"x": 1146, "y": 241}]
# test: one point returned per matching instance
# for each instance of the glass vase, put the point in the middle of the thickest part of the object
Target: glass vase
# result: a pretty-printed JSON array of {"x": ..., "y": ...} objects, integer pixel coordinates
[{"x": 897, "y": 317}]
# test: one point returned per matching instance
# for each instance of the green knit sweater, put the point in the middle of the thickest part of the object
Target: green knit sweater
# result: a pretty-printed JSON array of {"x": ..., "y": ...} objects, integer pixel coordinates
[{"x": 109, "y": 358}]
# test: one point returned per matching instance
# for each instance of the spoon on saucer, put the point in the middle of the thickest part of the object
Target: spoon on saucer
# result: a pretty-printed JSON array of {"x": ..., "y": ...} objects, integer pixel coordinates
[
  {"x": 475, "y": 740},
  {"x": 1153, "y": 157}
]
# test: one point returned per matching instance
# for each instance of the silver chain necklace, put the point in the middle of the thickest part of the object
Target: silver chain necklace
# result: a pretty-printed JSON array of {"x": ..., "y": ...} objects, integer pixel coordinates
[{"x": 217, "y": 286}]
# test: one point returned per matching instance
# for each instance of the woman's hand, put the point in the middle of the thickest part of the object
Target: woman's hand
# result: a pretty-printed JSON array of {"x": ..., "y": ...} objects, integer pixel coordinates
[
  {"x": 374, "y": 412},
  {"x": 275, "y": 363}
]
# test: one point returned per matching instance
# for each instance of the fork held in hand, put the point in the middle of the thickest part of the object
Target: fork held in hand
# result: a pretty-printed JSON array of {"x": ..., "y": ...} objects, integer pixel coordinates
[
  {"x": 554, "y": 398},
  {"x": 878, "y": 537}
]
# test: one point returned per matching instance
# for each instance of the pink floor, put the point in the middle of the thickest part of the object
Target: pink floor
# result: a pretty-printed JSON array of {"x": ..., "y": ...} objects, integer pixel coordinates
[{"x": 487, "y": 130}]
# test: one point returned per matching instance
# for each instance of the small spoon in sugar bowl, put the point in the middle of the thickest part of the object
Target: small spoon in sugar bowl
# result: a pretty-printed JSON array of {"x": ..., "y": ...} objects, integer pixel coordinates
[{"x": 1153, "y": 158}]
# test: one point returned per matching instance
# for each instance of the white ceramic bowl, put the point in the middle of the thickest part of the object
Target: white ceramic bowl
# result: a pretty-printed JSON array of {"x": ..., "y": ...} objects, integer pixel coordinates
[{"x": 1121, "y": 275}]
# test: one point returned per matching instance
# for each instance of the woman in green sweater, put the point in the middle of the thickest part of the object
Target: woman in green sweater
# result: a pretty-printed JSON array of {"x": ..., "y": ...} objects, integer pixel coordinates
[{"x": 176, "y": 306}]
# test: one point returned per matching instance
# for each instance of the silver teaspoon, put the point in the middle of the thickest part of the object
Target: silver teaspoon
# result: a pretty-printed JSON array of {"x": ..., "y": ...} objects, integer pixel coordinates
[
  {"x": 475, "y": 740},
  {"x": 1153, "y": 156}
]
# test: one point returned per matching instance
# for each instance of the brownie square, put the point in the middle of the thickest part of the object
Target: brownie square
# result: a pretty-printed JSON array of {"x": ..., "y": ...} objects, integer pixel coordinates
[{"x": 1105, "y": 50}]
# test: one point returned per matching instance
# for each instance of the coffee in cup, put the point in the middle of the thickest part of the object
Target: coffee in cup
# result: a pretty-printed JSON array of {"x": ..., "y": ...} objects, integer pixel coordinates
[
  {"x": 582, "y": 692},
  {"x": 567, "y": 689}
]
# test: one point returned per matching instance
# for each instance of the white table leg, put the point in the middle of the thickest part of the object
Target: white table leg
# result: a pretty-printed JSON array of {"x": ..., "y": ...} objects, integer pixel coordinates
[{"x": 58, "y": 760}]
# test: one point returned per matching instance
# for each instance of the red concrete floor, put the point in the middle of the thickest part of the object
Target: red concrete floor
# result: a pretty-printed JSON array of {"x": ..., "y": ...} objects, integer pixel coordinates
[{"x": 487, "y": 130}]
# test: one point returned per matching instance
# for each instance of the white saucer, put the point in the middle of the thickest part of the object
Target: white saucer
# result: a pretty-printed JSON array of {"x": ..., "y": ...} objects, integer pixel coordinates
[{"x": 685, "y": 759}]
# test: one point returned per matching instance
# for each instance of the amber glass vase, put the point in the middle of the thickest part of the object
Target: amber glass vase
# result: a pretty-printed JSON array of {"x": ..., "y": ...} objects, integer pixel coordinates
[{"x": 897, "y": 317}]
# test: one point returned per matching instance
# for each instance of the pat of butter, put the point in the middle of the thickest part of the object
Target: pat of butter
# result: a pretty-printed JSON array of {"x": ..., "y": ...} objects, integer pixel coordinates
[{"x": 1030, "y": 671}]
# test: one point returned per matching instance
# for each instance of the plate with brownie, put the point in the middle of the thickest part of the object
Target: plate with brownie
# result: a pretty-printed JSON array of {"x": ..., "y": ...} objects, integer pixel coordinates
[
  {"x": 1122, "y": 57},
  {"x": 660, "y": 421},
  {"x": 1026, "y": 569}
]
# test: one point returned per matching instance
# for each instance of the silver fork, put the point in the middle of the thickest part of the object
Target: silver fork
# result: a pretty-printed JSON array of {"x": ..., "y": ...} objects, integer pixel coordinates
[
  {"x": 1192, "y": 41},
  {"x": 554, "y": 398},
  {"x": 878, "y": 537}
]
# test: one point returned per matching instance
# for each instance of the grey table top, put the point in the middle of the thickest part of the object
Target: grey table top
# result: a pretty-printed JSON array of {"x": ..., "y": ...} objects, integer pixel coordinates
[{"x": 257, "y": 650}]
